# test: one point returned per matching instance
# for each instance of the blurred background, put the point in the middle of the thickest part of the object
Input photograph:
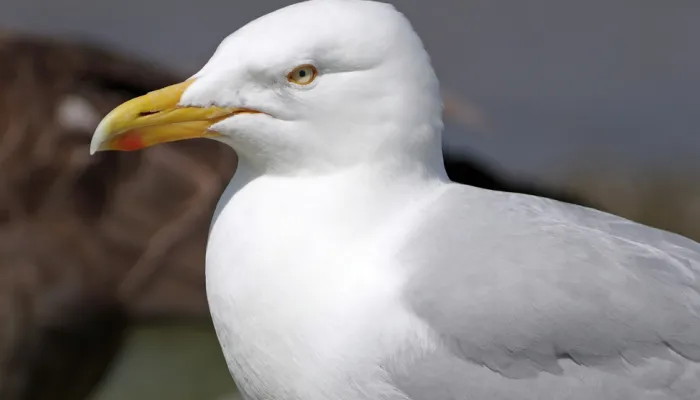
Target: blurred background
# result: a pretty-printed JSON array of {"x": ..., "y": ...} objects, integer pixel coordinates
[{"x": 101, "y": 258}]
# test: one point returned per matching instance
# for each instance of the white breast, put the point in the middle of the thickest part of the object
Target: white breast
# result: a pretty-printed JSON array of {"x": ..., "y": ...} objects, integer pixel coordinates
[{"x": 301, "y": 286}]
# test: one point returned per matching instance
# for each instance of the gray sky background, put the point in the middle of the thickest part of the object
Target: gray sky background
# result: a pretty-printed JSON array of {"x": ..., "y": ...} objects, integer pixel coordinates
[{"x": 592, "y": 80}]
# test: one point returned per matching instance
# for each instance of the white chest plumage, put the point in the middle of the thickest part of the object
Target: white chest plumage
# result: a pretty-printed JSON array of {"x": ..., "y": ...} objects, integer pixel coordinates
[{"x": 300, "y": 311}]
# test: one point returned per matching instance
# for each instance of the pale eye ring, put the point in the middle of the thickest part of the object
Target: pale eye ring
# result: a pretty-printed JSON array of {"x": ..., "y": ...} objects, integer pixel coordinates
[{"x": 303, "y": 74}]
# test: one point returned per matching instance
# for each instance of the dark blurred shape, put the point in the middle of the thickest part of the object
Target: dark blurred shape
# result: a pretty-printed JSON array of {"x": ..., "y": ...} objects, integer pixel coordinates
[
  {"x": 472, "y": 171},
  {"x": 67, "y": 352},
  {"x": 90, "y": 245}
]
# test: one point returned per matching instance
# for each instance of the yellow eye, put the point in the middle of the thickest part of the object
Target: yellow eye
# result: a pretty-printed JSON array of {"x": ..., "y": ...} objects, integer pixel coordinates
[{"x": 303, "y": 75}]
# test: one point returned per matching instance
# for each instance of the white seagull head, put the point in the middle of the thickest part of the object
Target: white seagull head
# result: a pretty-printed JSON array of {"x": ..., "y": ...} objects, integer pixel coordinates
[{"x": 312, "y": 87}]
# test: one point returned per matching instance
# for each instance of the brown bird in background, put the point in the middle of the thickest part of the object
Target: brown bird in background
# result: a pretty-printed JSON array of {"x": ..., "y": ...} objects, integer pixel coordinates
[
  {"x": 91, "y": 245},
  {"x": 88, "y": 246}
]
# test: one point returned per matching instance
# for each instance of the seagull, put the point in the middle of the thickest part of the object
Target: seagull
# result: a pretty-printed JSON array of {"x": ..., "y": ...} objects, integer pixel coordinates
[{"x": 342, "y": 263}]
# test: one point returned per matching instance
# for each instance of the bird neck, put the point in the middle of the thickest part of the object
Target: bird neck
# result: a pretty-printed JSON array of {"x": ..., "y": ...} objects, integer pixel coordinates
[
  {"x": 400, "y": 155},
  {"x": 346, "y": 205}
]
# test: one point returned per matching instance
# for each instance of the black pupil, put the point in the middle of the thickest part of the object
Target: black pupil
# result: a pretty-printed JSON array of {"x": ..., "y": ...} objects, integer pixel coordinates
[{"x": 302, "y": 73}]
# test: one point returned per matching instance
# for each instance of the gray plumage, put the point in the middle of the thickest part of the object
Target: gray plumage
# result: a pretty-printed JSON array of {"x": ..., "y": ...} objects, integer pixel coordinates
[{"x": 610, "y": 311}]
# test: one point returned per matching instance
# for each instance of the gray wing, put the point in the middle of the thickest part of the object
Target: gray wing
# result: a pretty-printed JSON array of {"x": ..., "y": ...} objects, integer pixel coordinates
[{"x": 530, "y": 298}]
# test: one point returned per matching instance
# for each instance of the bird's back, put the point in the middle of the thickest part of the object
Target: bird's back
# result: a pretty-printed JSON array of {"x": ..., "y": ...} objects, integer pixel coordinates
[{"x": 530, "y": 298}]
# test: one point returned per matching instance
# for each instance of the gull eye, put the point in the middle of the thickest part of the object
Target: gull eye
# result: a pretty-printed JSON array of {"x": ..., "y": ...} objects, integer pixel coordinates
[{"x": 303, "y": 74}]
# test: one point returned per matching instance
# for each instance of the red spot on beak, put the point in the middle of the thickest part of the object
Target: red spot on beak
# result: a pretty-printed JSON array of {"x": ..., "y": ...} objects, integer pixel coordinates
[{"x": 129, "y": 142}]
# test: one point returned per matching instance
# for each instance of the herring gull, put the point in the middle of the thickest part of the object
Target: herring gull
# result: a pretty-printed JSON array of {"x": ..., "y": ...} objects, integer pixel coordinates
[{"x": 342, "y": 263}]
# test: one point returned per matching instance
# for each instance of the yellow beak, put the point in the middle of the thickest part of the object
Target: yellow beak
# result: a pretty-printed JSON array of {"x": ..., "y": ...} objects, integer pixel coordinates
[{"x": 156, "y": 118}]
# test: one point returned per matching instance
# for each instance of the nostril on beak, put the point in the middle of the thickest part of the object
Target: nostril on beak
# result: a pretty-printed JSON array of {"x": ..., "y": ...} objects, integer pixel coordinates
[{"x": 147, "y": 113}]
